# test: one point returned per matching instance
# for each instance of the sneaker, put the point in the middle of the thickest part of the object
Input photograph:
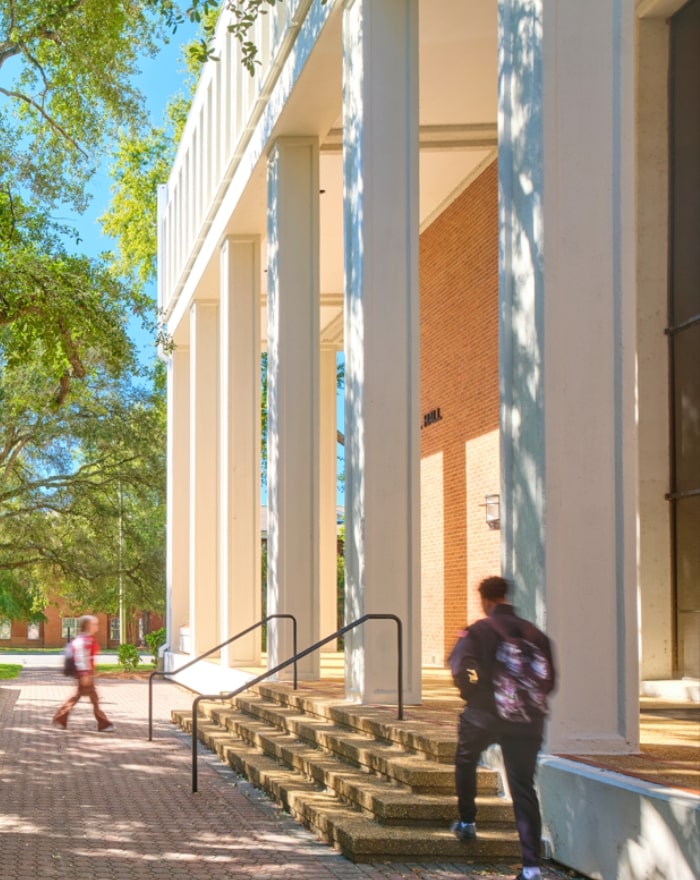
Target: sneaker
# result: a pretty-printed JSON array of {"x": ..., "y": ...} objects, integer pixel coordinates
[
  {"x": 56, "y": 725},
  {"x": 109, "y": 729},
  {"x": 464, "y": 830},
  {"x": 536, "y": 876}
]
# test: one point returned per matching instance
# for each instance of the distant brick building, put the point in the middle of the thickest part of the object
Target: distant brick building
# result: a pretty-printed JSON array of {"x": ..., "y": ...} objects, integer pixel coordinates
[{"x": 62, "y": 623}]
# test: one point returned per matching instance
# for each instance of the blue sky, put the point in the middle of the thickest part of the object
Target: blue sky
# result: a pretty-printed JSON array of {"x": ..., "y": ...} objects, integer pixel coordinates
[{"x": 159, "y": 79}]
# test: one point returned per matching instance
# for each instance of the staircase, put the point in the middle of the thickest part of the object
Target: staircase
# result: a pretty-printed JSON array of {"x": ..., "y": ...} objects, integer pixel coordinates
[{"x": 376, "y": 788}]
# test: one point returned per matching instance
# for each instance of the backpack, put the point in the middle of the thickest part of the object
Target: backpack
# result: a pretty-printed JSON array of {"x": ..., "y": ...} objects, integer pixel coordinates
[
  {"x": 69, "y": 667},
  {"x": 522, "y": 678}
]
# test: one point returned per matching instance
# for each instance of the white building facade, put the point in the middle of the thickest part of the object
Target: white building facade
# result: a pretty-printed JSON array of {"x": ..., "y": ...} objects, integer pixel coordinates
[{"x": 290, "y": 224}]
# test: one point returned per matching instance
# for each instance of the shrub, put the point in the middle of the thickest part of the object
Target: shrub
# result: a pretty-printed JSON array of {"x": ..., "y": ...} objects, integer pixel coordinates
[
  {"x": 128, "y": 657},
  {"x": 155, "y": 640}
]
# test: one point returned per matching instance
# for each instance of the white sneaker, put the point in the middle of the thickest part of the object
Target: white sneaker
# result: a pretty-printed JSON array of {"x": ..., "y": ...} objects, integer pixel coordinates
[{"x": 109, "y": 729}]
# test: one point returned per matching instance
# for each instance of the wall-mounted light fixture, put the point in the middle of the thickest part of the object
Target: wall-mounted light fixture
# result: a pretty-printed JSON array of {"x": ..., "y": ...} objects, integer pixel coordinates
[{"x": 493, "y": 511}]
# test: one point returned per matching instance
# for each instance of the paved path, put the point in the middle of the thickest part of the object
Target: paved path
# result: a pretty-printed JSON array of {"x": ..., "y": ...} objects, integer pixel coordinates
[
  {"x": 81, "y": 805},
  {"x": 44, "y": 660}
]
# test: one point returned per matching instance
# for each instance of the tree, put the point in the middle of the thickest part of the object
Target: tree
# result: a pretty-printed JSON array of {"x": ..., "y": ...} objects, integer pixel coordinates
[
  {"x": 140, "y": 164},
  {"x": 66, "y": 92},
  {"x": 63, "y": 310},
  {"x": 82, "y": 490},
  {"x": 66, "y": 71}
]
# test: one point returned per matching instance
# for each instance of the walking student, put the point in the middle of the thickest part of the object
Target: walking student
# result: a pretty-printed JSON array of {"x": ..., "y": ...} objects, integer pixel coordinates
[
  {"x": 503, "y": 668},
  {"x": 85, "y": 649}
]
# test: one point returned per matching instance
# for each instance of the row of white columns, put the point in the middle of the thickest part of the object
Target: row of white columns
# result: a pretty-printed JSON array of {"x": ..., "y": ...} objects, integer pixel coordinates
[
  {"x": 214, "y": 418},
  {"x": 568, "y": 455}
]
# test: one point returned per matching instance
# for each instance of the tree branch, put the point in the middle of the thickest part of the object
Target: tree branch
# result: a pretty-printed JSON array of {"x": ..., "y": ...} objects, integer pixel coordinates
[{"x": 52, "y": 122}]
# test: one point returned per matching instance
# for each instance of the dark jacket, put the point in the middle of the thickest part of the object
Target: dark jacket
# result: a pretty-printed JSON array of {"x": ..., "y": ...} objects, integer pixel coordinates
[{"x": 472, "y": 661}]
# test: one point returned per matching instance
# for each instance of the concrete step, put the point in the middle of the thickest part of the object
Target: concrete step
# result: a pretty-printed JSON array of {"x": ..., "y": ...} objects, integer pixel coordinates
[
  {"x": 349, "y": 829},
  {"x": 435, "y": 743},
  {"x": 386, "y": 758},
  {"x": 385, "y": 800}
]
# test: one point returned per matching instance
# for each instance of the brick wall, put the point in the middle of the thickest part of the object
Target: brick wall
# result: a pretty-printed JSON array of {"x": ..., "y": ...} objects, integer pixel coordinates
[
  {"x": 460, "y": 407},
  {"x": 50, "y": 630}
]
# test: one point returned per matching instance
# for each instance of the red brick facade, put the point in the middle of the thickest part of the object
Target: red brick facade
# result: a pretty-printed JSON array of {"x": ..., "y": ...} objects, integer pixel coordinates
[
  {"x": 460, "y": 410},
  {"x": 49, "y": 634}
]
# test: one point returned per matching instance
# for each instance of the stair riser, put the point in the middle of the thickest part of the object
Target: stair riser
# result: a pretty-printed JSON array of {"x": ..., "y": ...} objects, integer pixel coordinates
[
  {"x": 420, "y": 782},
  {"x": 441, "y": 750},
  {"x": 430, "y": 778},
  {"x": 306, "y": 763},
  {"x": 343, "y": 826},
  {"x": 437, "y": 777},
  {"x": 300, "y": 801},
  {"x": 437, "y": 813}
]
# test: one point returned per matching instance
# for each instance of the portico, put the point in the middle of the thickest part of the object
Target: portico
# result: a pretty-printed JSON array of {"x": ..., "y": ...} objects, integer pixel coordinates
[{"x": 292, "y": 224}]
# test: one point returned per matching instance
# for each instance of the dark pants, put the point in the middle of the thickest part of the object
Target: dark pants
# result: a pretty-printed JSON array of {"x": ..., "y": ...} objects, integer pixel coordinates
[
  {"x": 89, "y": 691},
  {"x": 520, "y": 759}
]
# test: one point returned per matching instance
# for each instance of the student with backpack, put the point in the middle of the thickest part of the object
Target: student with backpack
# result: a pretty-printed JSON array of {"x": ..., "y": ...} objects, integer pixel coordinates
[
  {"x": 82, "y": 652},
  {"x": 504, "y": 670}
]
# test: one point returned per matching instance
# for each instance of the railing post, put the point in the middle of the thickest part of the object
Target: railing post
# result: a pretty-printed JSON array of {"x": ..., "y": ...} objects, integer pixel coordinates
[
  {"x": 399, "y": 690},
  {"x": 195, "y": 712},
  {"x": 150, "y": 708}
]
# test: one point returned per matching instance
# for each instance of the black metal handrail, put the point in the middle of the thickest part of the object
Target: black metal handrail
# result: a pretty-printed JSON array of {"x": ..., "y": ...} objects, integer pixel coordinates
[
  {"x": 213, "y": 650},
  {"x": 293, "y": 659}
]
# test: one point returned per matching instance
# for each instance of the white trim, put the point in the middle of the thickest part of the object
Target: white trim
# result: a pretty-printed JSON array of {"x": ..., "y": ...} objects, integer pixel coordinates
[{"x": 458, "y": 190}]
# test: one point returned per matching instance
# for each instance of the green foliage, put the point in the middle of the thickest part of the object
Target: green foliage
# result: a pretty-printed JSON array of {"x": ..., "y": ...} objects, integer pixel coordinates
[
  {"x": 82, "y": 491},
  {"x": 9, "y": 670},
  {"x": 61, "y": 312},
  {"x": 82, "y": 464},
  {"x": 155, "y": 640},
  {"x": 128, "y": 658},
  {"x": 21, "y": 598},
  {"x": 67, "y": 72},
  {"x": 140, "y": 164},
  {"x": 244, "y": 15}
]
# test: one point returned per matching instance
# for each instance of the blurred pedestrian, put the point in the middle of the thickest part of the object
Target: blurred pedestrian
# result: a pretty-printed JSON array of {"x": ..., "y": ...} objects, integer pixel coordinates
[
  {"x": 85, "y": 648},
  {"x": 504, "y": 670}
]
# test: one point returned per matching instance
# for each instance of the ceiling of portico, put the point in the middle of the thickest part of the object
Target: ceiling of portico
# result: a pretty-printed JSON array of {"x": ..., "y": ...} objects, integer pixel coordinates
[{"x": 458, "y": 105}]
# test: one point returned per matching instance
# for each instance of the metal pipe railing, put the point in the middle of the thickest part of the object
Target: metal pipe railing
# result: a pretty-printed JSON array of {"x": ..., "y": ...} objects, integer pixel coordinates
[
  {"x": 294, "y": 659},
  {"x": 213, "y": 650}
]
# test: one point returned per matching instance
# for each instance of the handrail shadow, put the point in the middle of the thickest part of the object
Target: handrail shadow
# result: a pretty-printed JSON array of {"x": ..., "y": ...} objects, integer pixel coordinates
[
  {"x": 293, "y": 660},
  {"x": 213, "y": 650}
]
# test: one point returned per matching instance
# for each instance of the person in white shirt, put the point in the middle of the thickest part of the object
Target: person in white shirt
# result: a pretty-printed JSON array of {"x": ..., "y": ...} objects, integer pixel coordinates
[{"x": 85, "y": 649}]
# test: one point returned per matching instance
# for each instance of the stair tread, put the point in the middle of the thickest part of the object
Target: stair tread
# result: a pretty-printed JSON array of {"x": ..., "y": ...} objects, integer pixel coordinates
[
  {"x": 363, "y": 789},
  {"x": 378, "y": 721},
  {"x": 332, "y": 778},
  {"x": 353, "y": 743}
]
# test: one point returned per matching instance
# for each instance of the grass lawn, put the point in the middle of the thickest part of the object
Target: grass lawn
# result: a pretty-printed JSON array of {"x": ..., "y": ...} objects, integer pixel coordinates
[
  {"x": 116, "y": 667},
  {"x": 9, "y": 670}
]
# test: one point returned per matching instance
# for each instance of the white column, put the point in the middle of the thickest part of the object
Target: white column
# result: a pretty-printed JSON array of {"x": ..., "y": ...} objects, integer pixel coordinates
[
  {"x": 655, "y": 580},
  {"x": 566, "y": 166},
  {"x": 293, "y": 399},
  {"x": 177, "y": 560},
  {"x": 380, "y": 130},
  {"x": 239, "y": 448},
  {"x": 204, "y": 590},
  {"x": 328, "y": 500}
]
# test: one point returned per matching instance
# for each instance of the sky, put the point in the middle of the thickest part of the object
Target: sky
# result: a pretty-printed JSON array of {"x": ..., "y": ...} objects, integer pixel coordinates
[{"x": 159, "y": 79}]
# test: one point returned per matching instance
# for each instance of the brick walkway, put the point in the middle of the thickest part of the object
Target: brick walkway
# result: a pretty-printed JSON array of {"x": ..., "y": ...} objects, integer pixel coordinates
[{"x": 86, "y": 806}]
